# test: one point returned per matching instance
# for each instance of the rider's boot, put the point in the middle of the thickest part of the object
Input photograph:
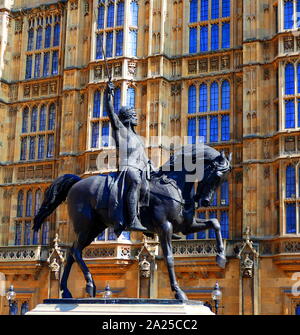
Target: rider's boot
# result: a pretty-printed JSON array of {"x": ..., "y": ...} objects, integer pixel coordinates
[{"x": 134, "y": 223}]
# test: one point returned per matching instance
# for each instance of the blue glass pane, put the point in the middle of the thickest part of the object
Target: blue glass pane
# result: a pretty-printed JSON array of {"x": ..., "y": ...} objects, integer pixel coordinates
[
  {"x": 225, "y": 35},
  {"x": 125, "y": 236},
  {"x": 298, "y": 112},
  {"x": 37, "y": 66},
  {"x": 105, "y": 134},
  {"x": 133, "y": 43},
  {"x": 192, "y": 100},
  {"x": 30, "y": 40},
  {"x": 225, "y": 8},
  {"x": 55, "y": 63},
  {"x": 45, "y": 233},
  {"x": 20, "y": 204},
  {"x": 120, "y": 14},
  {"x": 50, "y": 146},
  {"x": 32, "y": 148},
  {"x": 224, "y": 224},
  {"x": 288, "y": 14},
  {"x": 190, "y": 236},
  {"x": 99, "y": 42},
  {"x": 23, "y": 149},
  {"x": 52, "y": 115},
  {"x": 290, "y": 218},
  {"x": 131, "y": 97},
  {"x": 225, "y": 193},
  {"x": 290, "y": 114},
  {"x": 225, "y": 104},
  {"x": 119, "y": 43},
  {"x": 214, "y": 96},
  {"x": 214, "y": 36},
  {"x": 203, "y": 98},
  {"x": 290, "y": 182},
  {"x": 204, "y": 38},
  {"x": 289, "y": 79},
  {"x": 193, "y": 40},
  {"x": 96, "y": 109},
  {"x": 29, "y": 203},
  {"x": 95, "y": 135},
  {"x": 41, "y": 147},
  {"x": 100, "y": 23},
  {"x": 25, "y": 120},
  {"x": 111, "y": 234},
  {"x": 56, "y": 38},
  {"x": 39, "y": 38},
  {"x": 298, "y": 13},
  {"x": 117, "y": 99},
  {"x": 194, "y": 11},
  {"x": 192, "y": 131},
  {"x": 34, "y": 116},
  {"x": 46, "y": 64},
  {"x": 27, "y": 234},
  {"x": 201, "y": 234},
  {"x": 109, "y": 44},
  {"x": 297, "y": 310},
  {"x": 104, "y": 111},
  {"x": 214, "y": 9},
  {"x": 18, "y": 233},
  {"x": 298, "y": 74},
  {"x": 225, "y": 128},
  {"x": 101, "y": 237},
  {"x": 28, "y": 67},
  {"x": 203, "y": 128},
  {"x": 213, "y": 129},
  {"x": 204, "y": 10},
  {"x": 134, "y": 10},
  {"x": 48, "y": 37},
  {"x": 110, "y": 15},
  {"x": 43, "y": 118}
]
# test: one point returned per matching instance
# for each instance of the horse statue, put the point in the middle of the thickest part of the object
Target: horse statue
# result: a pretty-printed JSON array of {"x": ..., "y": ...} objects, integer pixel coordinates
[{"x": 171, "y": 209}]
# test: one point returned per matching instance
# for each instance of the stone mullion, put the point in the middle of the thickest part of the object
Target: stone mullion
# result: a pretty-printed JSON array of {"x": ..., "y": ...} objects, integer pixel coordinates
[{"x": 126, "y": 28}]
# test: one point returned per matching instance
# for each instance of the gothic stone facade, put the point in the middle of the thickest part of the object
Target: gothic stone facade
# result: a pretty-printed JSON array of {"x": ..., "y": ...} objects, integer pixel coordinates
[{"x": 233, "y": 61}]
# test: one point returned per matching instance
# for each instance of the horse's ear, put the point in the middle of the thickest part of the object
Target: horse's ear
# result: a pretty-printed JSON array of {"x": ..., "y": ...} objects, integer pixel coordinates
[{"x": 223, "y": 155}]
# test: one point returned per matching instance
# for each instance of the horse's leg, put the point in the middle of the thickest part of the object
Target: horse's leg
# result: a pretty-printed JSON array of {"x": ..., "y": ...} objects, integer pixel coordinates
[
  {"x": 202, "y": 224},
  {"x": 166, "y": 244},
  {"x": 64, "y": 280}
]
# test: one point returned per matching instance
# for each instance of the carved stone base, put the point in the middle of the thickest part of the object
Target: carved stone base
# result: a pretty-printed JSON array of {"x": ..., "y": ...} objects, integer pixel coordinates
[{"x": 120, "y": 306}]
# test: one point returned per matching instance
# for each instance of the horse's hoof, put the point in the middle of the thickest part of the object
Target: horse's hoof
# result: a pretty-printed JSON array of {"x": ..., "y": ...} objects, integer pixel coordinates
[
  {"x": 66, "y": 294},
  {"x": 221, "y": 260},
  {"x": 181, "y": 296},
  {"x": 91, "y": 291}
]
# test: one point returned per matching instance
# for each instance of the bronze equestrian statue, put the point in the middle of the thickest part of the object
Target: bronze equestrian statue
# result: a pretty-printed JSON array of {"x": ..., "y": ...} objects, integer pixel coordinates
[{"x": 169, "y": 209}]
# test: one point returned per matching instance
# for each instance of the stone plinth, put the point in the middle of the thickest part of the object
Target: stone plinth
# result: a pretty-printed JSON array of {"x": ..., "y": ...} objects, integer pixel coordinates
[{"x": 120, "y": 307}]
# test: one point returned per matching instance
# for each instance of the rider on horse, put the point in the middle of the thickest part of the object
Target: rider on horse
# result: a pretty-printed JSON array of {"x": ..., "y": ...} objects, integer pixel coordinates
[{"x": 134, "y": 166}]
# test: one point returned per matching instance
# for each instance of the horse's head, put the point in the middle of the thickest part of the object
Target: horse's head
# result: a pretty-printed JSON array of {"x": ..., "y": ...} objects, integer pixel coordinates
[{"x": 215, "y": 172}]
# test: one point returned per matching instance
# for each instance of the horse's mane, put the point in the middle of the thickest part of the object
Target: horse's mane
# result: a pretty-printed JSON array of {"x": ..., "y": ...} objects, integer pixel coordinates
[{"x": 193, "y": 153}]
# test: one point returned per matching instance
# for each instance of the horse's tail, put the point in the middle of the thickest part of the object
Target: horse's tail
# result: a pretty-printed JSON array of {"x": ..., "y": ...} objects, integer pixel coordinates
[{"x": 55, "y": 194}]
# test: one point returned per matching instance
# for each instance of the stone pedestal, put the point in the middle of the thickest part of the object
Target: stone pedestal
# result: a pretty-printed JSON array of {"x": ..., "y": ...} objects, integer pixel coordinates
[{"x": 120, "y": 307}]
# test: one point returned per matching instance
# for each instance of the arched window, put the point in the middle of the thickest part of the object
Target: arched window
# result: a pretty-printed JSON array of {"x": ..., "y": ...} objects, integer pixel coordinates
[
  {"x": 48, "y": 37},
  {"x": 225, "y": 89},
  {"x": 214, "y": 96},
  {"x": 56, "y": 38},
  {"x": 203, "y": 98},
  {"x": 120, "y": 13},
  {"x": 203, "y": 128},
  {"x": 110, "y": 15},
  {"x": 134, "y": 12},
  {"x": 34, "y": 116},
  {"x": 20, "y": 204},
  {"x": 131, "y": 97},
  {"x": 290, "y": 182},
  {"x": 29, "y": 204},
  {"x": 214, "y": 36},
  {"x": 192, "y": 131},
  {"x": 52, "y": 115},
  {"x": 215, "y": 9},
  {"x": 43, "y": 118},
  {"x": 289, "y": 79},
  {"x": 117, "y": 99},
  {"x": 25, "y": 120},
  {"x": 204, "y": 10},
  {"x": 39, "y": 38},
  {"x": 192, "y": 100},
  {"x": 288, "y": 14},
  {"x": 193, "y": 11},
  {"x": 101, "y": 10},
  {"x": 99, "y": 42},
  {"x": 96, "y": 109},
  {"x": 30, "y": 39},
  {"x": 204, "y": 38},
  {"x": 193, "y": 40},
  {"x": 225, "y": 8}
]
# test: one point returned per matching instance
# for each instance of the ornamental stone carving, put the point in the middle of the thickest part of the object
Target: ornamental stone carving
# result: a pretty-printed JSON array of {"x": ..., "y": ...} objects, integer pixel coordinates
[{"x": 247, "y": 266}]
